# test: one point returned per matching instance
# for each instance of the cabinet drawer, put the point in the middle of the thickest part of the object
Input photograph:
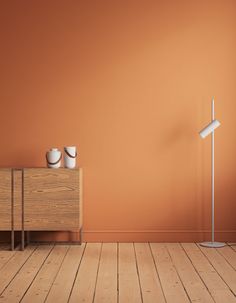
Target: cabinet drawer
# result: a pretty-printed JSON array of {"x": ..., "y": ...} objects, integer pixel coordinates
[{"x": 51, "y": 199}]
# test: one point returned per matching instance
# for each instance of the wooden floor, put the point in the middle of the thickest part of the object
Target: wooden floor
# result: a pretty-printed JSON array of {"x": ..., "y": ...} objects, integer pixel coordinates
[{"x": 123, "y": 272}]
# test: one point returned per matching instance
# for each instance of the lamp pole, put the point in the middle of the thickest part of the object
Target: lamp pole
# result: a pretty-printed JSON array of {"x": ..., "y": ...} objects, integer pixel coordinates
[
  {"x": 213, "y": 175},
  {"x": 206, "y": 131}
]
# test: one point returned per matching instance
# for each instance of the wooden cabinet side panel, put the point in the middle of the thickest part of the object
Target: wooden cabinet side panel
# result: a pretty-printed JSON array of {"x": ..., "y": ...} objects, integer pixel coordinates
[
  {"x": 17, "y": 211},
  {"x": 51, "y": 199},
  {"x": 5, "y": 199}
]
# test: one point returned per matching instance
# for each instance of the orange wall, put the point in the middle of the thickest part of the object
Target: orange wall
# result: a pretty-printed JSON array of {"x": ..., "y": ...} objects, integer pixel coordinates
[{"x": 130, "y": 83}]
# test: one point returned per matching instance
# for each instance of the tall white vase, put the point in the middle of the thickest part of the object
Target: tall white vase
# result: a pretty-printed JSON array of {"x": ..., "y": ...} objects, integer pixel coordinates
[
  {"x": 70, "y": 155},
  {"x": 53, "y": 158}
]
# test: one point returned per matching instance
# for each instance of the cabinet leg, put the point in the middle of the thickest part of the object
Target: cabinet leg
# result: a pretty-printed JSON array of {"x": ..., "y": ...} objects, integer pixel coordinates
[
  {"x": 23, "y": 217},
  {"x": 22, "y": 240},
  {"x": 80, "y": 236},
  {"x": 12, "y": 240}
]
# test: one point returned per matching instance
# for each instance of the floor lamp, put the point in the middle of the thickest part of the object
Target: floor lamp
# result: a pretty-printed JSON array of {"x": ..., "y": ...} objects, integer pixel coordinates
[{"x": 209, "y": 129}]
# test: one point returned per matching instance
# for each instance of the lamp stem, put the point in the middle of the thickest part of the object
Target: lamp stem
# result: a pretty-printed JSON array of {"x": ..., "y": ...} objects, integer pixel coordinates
[
  {"x": 212, "y": 243},
  {"x": 212, "y": 177}
]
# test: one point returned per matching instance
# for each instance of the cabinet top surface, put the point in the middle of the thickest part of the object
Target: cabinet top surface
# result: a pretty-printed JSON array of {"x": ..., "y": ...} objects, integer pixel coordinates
[{"x": 46, "y": 168}]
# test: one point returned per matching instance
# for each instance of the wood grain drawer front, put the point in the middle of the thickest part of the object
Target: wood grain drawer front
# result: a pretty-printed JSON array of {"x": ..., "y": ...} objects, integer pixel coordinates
[
  {"x": 51, "y": 199},
  {"x": 17, "y": 186},
  {"x": 5, "y": 199}
]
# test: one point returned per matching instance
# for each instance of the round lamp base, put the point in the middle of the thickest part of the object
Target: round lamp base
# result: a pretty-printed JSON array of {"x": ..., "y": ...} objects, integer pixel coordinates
[{"x": 213, "y": 244}]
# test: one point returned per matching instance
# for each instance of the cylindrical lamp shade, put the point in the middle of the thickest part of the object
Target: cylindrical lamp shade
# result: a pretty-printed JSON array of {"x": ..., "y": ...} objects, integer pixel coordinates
[{"x": 209, "y": 128}]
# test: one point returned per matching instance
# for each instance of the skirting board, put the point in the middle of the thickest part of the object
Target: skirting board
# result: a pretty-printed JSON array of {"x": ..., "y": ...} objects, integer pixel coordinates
[
  {"x": 157, "y": 235},
  {"x": 132, "y": 236}
]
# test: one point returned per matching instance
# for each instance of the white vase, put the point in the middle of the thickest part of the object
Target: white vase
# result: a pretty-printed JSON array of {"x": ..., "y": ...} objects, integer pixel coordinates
[
  {"x": 70, "y": 155},
  {"x": 53, "y": 158}
]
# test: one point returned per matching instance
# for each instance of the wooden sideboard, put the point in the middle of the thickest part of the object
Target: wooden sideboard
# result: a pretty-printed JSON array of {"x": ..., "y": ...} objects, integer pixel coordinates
[
  {"x": 6, "y": 201},
  {"x": 40, "y": 199}
]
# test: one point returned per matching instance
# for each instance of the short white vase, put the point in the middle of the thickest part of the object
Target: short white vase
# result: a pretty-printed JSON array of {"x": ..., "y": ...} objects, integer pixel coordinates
[
  {"x": 70, "y": 155},
  {"x": 53, "y": 158}
]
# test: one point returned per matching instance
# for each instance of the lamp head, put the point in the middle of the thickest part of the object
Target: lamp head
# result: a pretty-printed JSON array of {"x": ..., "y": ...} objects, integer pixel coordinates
[{"x": 209, "y": 128}]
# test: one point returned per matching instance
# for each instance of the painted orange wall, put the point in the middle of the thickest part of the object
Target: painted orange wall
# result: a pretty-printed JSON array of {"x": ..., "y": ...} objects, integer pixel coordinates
[{"x": 130, "y": 83}]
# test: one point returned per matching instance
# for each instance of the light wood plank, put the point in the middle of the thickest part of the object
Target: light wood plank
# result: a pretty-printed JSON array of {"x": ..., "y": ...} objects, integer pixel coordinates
[
  {"x": 16, "y": 289},
  {"x": 106, "y": 288},
  {"x": 187, "y": 273},
  {"x": 149, "y": 280},
  {"x": 43, "y": 281},
  {"x": 233, "y": 247},
  {"x": 85, "y": 283},
  {"x": 194, "y": 286},
  {"x": 17, "y": 212},
  {"x": 10, "y": 269},
  {"x": 5, "y": 256},
  {"x": 129, "y": 288},
  {"x": 5, "y": 199},
  {"x": 227, "y": 273},
  {"x": 229, "y": 254},
  {"x": 51, "y": 199},
  {"x": 216, "y": 286},
  {"x": 171, "y": 283},
  {"x": 63, "y": 283}
]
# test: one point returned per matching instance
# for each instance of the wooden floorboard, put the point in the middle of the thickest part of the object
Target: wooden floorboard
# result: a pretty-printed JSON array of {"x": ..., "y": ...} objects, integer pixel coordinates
[
  {"x": 172, "y": 286},
  {"x": 11, "y": 268},
  {"x": 233, "y": 246},
  {"x": 5, "y": 256},
  {"x": 224, "y": 269},
  {"x": 118, "y": 273},
  {"x": 106, "y": 288},
  {"x": 42, "y": 283},
  {"x": 149, "y": 279},
  {"x": 62, "y": 285},
  {"x": 129, "y": 287},
  {"x": 214, "y": 283},
  {"x": 86, "y": 279},
  {"x": 195, "y": 288},
  {"x": 229, "y": 254},
  {"x": 19, "y": 285}
]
